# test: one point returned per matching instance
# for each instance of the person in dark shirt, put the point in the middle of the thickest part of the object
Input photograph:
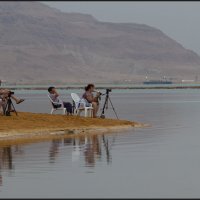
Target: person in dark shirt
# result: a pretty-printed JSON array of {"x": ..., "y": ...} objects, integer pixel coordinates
[
  {"x": 54, "y": 96},
  {"x": 89, "y": 97}
]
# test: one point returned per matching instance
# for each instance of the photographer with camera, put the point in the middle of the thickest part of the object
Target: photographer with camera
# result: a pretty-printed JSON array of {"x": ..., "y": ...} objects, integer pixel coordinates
[
  {"x": 6, "y": 105},
  {"x": 89, "y": 97},
  {"x": 5, "y": 93}
]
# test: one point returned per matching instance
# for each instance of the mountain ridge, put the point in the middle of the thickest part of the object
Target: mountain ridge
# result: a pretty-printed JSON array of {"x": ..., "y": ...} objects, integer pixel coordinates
[{"x": 40, "y": 44}]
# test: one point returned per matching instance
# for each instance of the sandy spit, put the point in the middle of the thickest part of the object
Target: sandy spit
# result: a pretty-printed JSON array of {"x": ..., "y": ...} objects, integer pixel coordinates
[{"x": 34, "y": 125}]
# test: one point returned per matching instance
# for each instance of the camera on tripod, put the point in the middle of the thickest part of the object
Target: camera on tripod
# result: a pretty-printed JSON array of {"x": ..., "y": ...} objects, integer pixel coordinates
[
  {"x": 9, "y": 105},
  {"x": 105, "y": 106},
  {"x": 10, "y": 93},
  {"x": 108, "y": 90}
]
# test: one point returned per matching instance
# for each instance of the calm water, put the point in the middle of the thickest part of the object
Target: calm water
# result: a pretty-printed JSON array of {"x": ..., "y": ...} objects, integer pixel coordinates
[{"x": 162, "y": 161}]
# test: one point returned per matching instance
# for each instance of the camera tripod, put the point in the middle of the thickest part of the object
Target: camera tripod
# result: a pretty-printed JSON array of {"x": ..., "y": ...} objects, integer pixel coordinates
[
  {"x": 106, "y": 105},
  {"x": 9, "y": 105}
]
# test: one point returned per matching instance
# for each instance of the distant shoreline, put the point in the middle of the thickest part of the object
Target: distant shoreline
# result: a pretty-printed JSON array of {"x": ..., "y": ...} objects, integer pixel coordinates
[{"x": 111, "y": 86}]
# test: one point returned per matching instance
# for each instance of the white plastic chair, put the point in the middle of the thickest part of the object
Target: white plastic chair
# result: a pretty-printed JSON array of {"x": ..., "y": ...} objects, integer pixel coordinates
[
  {"x": 54, "y": 104},
  {"x": 80, "y": 105}
]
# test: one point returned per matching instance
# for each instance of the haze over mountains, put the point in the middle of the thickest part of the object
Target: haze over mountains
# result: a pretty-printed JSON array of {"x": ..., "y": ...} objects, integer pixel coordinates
[{"x": 40, "y": 44}]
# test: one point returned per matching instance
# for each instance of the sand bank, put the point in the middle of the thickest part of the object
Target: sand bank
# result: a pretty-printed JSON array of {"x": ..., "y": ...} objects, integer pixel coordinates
[{"x": 34, "y": 125}]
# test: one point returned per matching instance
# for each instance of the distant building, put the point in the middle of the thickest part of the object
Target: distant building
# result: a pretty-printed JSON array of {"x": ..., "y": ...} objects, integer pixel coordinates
[
  {"x": 2, "y": 83},
  {"x": 187, "y": 81}
]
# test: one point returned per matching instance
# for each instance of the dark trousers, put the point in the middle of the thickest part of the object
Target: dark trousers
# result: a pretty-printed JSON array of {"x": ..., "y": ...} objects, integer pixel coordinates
[{"x": 68, "y": 106}]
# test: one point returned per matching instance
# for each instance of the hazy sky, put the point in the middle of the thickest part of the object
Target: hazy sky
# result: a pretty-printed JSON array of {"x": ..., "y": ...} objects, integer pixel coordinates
[{"x": 179, "y": 20}]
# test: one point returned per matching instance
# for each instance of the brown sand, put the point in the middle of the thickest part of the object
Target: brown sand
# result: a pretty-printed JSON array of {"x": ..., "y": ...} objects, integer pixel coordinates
[{"x": 30, "y": 125}]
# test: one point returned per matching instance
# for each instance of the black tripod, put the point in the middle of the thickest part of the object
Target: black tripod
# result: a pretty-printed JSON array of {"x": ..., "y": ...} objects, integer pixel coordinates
[
  {"x": 106, "y": 105},
  {"x": 9, "y": 105}
]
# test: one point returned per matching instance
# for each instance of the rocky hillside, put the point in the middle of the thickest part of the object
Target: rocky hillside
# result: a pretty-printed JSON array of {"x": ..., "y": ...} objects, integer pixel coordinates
[{"x": 39, "y": 44}]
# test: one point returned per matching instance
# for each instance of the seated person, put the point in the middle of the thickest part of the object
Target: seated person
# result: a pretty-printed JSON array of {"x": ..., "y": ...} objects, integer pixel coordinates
[
  {"x": 88, "y": 96},
  {"x": 4, "y": 94},
  {"x": 54, "y": 96}
]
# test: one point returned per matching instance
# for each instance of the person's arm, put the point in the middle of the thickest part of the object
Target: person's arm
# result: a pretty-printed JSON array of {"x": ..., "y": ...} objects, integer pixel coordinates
[
  {"x": 89, "y": 98},
  {"x": 56, "y": 93},
  {"x": 96, "y": 97}
]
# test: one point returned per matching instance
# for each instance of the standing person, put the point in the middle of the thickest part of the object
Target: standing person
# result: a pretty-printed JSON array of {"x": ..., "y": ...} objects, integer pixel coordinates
[
  {"x": 89, "y": 97},
  {"x": 54, "y": 96}
]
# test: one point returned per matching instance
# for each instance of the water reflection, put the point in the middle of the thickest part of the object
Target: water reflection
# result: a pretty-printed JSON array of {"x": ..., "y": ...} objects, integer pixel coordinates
[
  {"x": 54, "y": 149},
  {"x": 6, "y": 158},
  {"x": 108, "y": 146},
  {"x": 5, "y": 161},
  {"x": 18, "y": 150},
  {"x": 90, "y": 147},
  {"x": 92, "y": 150}
]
